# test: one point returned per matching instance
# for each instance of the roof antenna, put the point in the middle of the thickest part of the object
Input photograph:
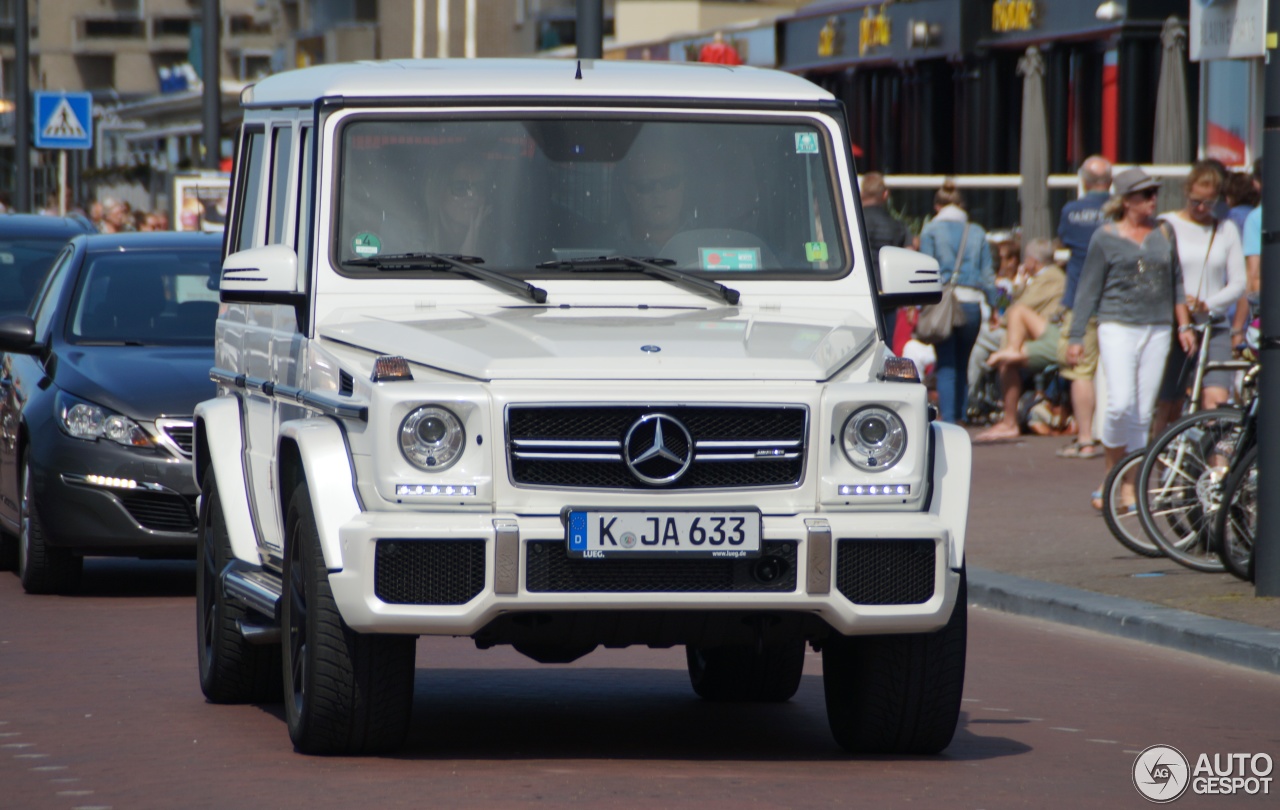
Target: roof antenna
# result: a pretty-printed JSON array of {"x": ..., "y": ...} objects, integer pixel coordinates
[{"x": 578, "y": 75}]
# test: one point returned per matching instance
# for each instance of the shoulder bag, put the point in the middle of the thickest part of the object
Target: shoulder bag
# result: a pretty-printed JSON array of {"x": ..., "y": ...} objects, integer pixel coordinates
[{"x": 938, "y": 321}]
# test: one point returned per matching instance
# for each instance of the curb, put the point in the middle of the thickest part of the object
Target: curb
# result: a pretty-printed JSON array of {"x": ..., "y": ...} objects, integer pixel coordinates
[{"x": 1228, "y": 641}]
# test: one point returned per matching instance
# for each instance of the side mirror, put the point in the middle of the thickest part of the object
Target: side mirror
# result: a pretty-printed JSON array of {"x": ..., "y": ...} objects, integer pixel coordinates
[
  {"x": 261, "y": 275},
  {"x": 18, "y": 334},
  {"x": 908, "y": 278}
]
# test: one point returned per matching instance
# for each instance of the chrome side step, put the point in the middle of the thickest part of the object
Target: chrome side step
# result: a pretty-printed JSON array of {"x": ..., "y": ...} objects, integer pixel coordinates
[{"x": 258, "y": 590}]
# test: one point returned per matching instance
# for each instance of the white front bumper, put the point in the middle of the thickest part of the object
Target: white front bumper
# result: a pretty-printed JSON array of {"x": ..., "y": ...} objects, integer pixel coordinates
[
  {"x": 353, "y": 587},
  {"x": 944, "y": 524}
]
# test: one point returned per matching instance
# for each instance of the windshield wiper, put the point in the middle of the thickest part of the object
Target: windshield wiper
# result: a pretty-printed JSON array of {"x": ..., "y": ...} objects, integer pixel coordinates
[
  {"x": 468, "y": 266},
  {"x": 658, "y": 268}
]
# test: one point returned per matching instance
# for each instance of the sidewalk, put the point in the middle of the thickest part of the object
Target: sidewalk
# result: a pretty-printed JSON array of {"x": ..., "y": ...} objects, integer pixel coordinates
[{"x": 1036, "y": 547}]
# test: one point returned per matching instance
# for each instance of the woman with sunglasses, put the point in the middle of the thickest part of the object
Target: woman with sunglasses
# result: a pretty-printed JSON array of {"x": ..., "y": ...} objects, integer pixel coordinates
[
  {"x": 1132, "y": 282},
  {"x": 1213, "y": 275}
]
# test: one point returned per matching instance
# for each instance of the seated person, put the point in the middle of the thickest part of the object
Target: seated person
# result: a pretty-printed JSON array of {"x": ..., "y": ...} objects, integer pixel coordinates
[
  {"x": 653, "y": 183},
  {"x": 1009, "y": 277},
  {"x": 1031, "y": 337},
  {"x": 459, "y": 202}
]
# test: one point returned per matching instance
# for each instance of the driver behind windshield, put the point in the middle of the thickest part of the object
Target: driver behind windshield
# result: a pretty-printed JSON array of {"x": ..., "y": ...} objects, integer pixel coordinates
[
  {"x": 458, "y": 206},
  {"x": 653, "y": 182}
]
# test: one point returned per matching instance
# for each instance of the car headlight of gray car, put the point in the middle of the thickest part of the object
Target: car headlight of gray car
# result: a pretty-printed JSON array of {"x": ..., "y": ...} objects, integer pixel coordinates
[{"x": 86, "y": 420}]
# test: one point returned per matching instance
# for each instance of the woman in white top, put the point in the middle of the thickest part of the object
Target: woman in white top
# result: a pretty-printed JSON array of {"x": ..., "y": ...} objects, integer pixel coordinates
[{"x": 1213, "y": 276}]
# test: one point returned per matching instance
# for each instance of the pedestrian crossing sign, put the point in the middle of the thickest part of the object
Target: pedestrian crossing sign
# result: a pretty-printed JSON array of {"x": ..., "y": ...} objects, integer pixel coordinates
[{"x": 64, "y": 120}]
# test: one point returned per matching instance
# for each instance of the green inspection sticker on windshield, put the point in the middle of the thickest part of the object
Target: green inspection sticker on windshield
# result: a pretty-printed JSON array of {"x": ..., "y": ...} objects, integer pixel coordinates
[
  {"x": 366, "y": 244},
  {"x": 806, "y": 143},
  {"x": 815, "y": 251},
  {"x": 729, "y": 258}
]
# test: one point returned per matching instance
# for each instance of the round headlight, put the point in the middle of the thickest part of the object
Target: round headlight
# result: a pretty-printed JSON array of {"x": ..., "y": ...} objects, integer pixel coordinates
[
  {"x": 432, "y": 438},
  {"x": 874, "y": 439}
]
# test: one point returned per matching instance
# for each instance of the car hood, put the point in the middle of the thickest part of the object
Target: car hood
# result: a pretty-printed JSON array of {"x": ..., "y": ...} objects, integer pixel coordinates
[
  {"x": 142, "y": 382},
  {"x": 612, "y": 342}
]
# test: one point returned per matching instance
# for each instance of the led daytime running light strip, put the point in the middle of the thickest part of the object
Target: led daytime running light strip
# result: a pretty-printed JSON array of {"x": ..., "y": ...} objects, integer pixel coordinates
[
  {"x": 448, "y": 490},
  {"x": 108, "y": 481},
  {"x": 875, "y": 489}
]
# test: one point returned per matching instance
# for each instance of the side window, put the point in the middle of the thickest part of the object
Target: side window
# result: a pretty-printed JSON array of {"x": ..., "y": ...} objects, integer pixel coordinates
[
  {"x": 47, "y": 302},
  {"x": 282, "y": 150},
  {"x": 248, "y": 205},
  {"x": 302, "y": 223}
]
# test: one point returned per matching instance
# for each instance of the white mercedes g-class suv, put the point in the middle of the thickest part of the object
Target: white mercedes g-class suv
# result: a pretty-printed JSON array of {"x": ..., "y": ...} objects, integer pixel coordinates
[{"x": 563, "y": 354}]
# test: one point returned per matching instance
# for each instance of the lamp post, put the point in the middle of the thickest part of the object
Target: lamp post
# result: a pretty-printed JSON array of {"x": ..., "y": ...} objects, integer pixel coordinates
[
  {"x": 21, "y": 109},
  {"x": 1266, "y": 545},
  {"x": 211, "y": 68},
  {"x": 589, "y": 33}
]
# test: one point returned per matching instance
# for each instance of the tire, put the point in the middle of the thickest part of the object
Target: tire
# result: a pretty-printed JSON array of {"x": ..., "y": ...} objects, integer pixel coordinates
[
  {"x": 1236, "y": 523},
  {"x": 897, "y": 694},
  {"x": 42, "y": 568},
  {"x": 345, "y": 693},
  {"x": 745, "y": 674},
  {"x": 231, "y": 669},
  {"x": 1124, "y": 522},
  {"x": 1180, "y": 485}
]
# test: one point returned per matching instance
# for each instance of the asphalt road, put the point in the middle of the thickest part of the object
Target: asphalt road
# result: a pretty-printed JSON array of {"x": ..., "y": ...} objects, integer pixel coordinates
[{"x": 100, "y": 707}]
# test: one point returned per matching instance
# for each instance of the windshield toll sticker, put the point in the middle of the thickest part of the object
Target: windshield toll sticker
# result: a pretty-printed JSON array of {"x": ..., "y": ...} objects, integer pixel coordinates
[
  {"x": 806, "y": 143},
  {"x": 815, "y": 251},
  {"x": 366, "y": 244},
  {"x": 729, "y": 258}
]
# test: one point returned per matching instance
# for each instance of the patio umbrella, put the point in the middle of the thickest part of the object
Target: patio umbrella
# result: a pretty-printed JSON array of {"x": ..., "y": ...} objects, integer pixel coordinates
[
  {"x": 1173, "y": 128},
  {"x": 1034, "y": 153}
]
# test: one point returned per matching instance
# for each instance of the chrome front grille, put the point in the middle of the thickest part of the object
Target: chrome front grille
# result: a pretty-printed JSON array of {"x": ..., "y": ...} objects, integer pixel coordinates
[
  {"x": 180, "y": 434},
  {"x": 704, "y": 446}
]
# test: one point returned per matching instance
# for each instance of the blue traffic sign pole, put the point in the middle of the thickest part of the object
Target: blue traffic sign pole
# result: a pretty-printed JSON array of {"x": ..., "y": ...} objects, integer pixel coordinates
[{"x": 63, "y": 121}]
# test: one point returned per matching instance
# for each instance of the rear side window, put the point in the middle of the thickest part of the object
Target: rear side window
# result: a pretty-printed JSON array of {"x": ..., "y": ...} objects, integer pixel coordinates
[
  {"x": 248, "y": 187},
  {"x": 280, "y": 165}
]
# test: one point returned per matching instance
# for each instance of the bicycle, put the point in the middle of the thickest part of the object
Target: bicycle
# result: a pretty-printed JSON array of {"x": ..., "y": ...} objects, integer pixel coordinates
[
  {"x": 1123, "y": 519},
  {"x": 1236, "y": 520},
  {"x": 1179, "y": 486}
]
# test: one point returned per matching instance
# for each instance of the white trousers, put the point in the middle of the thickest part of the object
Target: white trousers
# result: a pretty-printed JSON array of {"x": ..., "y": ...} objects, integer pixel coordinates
[{"x": 1132, "y": 359}]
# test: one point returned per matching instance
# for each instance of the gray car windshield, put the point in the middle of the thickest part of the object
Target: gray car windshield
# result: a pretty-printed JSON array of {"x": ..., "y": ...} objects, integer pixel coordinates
[
  {"x": 147, "y": 298},
  {"x": 541, "y": 196}
]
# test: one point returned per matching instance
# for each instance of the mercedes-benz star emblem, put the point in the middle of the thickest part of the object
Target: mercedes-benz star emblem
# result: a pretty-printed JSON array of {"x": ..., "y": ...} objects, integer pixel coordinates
[{"x": 658, "y": 449}]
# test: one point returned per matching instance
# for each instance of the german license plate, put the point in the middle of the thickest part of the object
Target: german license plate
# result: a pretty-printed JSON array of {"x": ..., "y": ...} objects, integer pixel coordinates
[{"x": 624, "y": 533}]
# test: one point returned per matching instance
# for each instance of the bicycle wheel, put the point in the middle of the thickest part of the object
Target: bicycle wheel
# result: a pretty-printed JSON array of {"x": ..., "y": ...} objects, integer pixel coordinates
[
  {"x": 1237, "y": 520},
  {"x": 1180, "y": 485},
  {"x": 1122, "y": 518}
]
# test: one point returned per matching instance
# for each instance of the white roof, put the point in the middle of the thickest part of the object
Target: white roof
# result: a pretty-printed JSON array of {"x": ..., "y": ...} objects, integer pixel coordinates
[{"x": 434, "y": 78}]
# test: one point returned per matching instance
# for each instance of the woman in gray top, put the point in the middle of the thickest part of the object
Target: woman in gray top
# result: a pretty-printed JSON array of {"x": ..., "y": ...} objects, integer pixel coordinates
[{"x": 1132, "y": 281}]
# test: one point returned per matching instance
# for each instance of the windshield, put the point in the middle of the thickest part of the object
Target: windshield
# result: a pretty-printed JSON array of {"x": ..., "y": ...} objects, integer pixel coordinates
[
  {"x": 147, "y": 298},
  {"x": 23, "y": 265},
  {"x": 725, "y": 197}
]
